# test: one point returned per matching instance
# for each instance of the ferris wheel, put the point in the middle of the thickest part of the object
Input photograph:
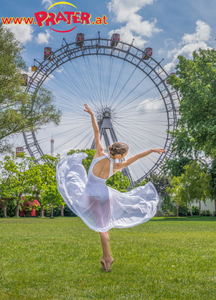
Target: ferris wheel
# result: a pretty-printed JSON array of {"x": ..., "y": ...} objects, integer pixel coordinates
[{"x": 126, "y": 88}]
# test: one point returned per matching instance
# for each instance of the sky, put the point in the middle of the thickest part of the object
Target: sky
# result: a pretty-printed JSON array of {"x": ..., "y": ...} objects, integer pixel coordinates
[{"x": 171, "y": 28}]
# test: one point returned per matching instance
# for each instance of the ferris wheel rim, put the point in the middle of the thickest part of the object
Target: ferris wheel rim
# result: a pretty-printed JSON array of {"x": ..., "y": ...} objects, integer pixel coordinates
[{"x": 56, "y": 61}]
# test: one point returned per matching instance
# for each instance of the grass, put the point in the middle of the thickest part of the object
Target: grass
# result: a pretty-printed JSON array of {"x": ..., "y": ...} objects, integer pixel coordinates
[{"x": 164, "y": 258}]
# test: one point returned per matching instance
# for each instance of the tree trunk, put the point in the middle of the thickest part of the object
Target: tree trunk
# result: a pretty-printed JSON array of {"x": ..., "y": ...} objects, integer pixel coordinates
[
  {"x": 4, "y": 208},
  {"x": 51, "y": 214},
  {"x": 200, "y": 208},
  {"x": 42, "y": 212},
  {"x": 18, "y": 205},
  {"x": 5, "y": 211},
  {"x": 17, "y": 208},
  {"x": 215, "y": 208},
  {"x": 177, "y": 211},
  {"x": 191, "y": 212},
  {"x": 62, "y": 210}
]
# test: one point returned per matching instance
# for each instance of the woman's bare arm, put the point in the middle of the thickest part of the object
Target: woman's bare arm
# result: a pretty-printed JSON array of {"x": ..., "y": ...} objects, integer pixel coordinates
[
  {"x": 98, "y": 145},
  {"x": 129, "y": 161}
]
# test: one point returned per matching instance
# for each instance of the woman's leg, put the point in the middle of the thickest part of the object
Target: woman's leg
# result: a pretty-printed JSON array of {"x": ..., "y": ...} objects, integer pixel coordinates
[{"x": 107, "y": 259}]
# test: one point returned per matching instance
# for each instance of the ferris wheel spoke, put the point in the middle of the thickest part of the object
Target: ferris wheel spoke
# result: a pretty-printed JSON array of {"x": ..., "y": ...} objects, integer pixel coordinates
[
  {"x": 137, "y": 97},
  {"x": 136, "y": 134},
  {"x": 118, "y": 80},
  {"x": 135, "y": 107},
  {"x": 82, "y": 76},
  {"x": 90, "y": 139},
  {"x": 133, "y": 145},
  {"x": 109, "y": 78},
  {"x": 80, "y": 132},
  {"x": 93, "y": 79},
  {"x": 103, "y": 82},
  {"x": 131, "y": 91},
  {"x": 83, "y": 139},
  {"x": 125, "y": 83},
  {"x": 90, "y": 80},
  {"x": 100, "y": 80}
]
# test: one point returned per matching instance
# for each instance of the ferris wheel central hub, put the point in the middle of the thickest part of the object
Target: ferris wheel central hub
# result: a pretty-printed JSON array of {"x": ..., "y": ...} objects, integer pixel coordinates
[{"x": 102, "y": 113}]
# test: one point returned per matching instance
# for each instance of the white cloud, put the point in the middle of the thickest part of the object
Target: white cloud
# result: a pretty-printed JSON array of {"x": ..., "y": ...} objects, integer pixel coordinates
[
  {"x": 188, "y": 44},
  {"x": 125, "y": 11},
  {"x": 43, "y": 38},
  {"x": 47, "y": 2},
  {"x": 202, "y": 33},
  {"x": 150, "y": 104},
  {"x": 23, "y": 32}
]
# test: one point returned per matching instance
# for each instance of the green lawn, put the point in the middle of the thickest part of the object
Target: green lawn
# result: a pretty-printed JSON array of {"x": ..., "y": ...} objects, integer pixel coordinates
[{"x": 164, "y": 258}]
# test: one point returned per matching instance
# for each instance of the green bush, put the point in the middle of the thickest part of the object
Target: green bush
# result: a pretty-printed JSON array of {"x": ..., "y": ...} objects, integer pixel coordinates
[
  {"x": 206, "y": 213},
  {"x": 195, "y": 210},
  {"x": 11, "y": 208}
]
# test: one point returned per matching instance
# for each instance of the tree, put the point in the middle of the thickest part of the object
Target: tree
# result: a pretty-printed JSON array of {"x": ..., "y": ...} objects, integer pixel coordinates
[
  {"x": 161, "y": 182},
  {"x": 15, "y": 173},
  {"x": 213, "y": 181},
  {"x": 5, "y": 188},
  {"x": 199, "y": 181},
  {"x": 19, "y": 111},
  {"x": 52, "y": 197},
  {"x": 196, "y": 83},
  {"x": 87, "y": 161},
  {"x": 175, "y": 165},
  {"x": 39, "y": 177},
  {"x": 118, "y": 182},
  {"x": 177, "y": 192}
]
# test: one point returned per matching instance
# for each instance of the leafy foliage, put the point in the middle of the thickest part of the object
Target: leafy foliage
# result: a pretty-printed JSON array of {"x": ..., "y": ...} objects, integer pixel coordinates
[{"x": 196, "y": 83}]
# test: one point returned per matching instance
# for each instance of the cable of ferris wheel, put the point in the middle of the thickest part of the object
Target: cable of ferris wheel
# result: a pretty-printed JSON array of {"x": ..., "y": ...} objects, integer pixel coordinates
[
  {"x": 118, "y": 80},
  {"x": 91, "y": 139},
  {"x": 82, "y": 90},
  {"x": 93, "y": 78},
  {"x": 81, "y": 76},
  {"x": 129, "y": 117},
  {"x": 136, "y": 106},
  {"x": 134, "y": 145},
  {"x": 83, "y": 138},
  {"x": 90, "y": 78},
  {"x": 135, "y": 135},
  {"x": 131, "y": 150},
  {"x": 153, "y": 100},
  {"x": 62, "y": 95},
  {"x": 72, "y": 138},
  {"x": 71, "y": 91},
  {"x": 64, "y": 86},
  {"x": 150, "y": 112},
  {"x": 143, "y": 93},
  {"x": 100, "y": 80},
  {"x": 153, "y": 120},
  {"x": 102, "y": 87},
  {"x": 126, "y": 83},
  {"x": 146, "y": 129},
  {"x": 58, "y": 134},
  {"x": 109, "y": 77},
  {"x": 121, "y": 100}
]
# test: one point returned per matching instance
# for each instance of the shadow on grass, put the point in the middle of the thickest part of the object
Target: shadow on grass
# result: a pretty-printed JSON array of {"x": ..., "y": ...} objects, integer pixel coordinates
[{"x": 194, "y": 218}]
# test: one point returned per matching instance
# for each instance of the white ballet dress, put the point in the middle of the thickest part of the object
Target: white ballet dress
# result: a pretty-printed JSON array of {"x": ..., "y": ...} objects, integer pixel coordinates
[{"x": 98, "y": 205}]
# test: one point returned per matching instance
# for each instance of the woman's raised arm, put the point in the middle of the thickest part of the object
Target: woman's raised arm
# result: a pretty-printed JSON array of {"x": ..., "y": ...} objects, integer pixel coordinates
[
  {"x": 98, "y": 145},
  {"x": 121, "y": 165}
]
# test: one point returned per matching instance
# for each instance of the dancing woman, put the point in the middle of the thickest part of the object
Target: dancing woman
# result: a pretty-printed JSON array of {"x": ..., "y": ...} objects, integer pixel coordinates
[{"x": 98, "y": 205}]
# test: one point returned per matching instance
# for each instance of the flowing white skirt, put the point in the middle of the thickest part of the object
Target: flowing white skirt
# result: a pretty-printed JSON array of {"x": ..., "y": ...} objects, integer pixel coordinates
[{"x": 98, "y": 205}]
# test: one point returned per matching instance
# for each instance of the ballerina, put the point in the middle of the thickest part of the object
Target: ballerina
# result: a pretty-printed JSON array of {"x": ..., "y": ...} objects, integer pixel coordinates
[{"x": 98, "y": 205}]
